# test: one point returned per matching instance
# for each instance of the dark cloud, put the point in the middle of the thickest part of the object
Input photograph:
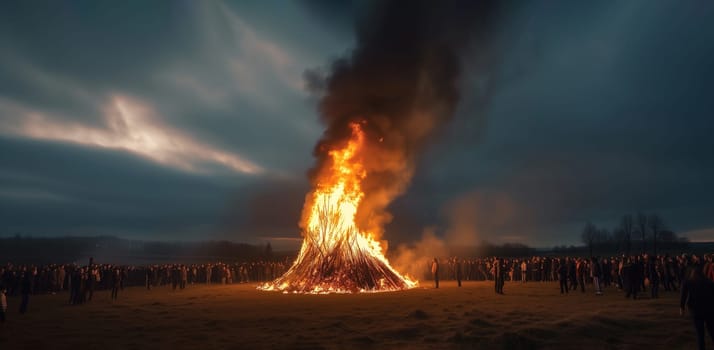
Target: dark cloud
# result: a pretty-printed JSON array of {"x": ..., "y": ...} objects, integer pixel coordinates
[
  {"x": 607, "y": 121},
  {"x": 401, "y": 84},
  {"x": 52, "y": 188},
  {"x": 572, "y": 112}
]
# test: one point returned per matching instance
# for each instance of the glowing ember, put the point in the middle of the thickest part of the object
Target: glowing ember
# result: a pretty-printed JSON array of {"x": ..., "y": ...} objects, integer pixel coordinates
[{"x": 335, "y": 256}]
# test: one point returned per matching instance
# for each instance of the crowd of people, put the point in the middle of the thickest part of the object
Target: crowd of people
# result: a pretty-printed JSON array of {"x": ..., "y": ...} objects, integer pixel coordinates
[
  {"x": 691, "y": 276},
  {"x": 627, "y": 273},
  {"x": 82, "y": 281},
  {"x": 633, "y": 275}
]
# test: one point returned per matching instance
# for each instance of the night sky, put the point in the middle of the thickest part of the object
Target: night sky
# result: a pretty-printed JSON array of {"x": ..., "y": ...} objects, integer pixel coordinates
[{"x": 194, "y": 120}]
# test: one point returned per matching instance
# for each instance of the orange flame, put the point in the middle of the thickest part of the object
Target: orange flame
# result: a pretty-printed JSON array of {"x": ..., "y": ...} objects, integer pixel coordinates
[{"x": 331, "y": 234}]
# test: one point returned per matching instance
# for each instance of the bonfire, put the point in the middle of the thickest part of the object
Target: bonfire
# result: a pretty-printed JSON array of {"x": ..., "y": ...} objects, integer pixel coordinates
[{"x": 336, "y": 256}]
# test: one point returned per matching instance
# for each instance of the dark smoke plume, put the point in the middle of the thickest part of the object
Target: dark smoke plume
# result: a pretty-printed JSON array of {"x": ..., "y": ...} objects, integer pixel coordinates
[{"x": 401, "y": 82}]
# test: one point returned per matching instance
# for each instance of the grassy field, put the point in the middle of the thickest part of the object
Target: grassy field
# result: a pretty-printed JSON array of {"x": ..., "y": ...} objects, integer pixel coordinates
[{"x": 530, "y": 316}]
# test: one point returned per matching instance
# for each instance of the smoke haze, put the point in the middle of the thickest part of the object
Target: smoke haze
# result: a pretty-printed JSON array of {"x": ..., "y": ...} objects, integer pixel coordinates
[{"x": 401, "y": 83}]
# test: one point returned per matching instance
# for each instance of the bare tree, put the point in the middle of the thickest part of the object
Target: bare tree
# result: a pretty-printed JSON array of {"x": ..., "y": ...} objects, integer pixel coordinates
[
  {"x": 656, "y": 226},
  {"x": 589, "y": 235},
  {"x": 642, "y": 225},
  {"x": 626, "y": 226}
]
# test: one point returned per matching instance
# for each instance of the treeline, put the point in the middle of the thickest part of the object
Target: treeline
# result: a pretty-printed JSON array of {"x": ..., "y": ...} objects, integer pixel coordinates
[
  {"x": 634, "y": 234},
  {"x": 107, "y": 249}
]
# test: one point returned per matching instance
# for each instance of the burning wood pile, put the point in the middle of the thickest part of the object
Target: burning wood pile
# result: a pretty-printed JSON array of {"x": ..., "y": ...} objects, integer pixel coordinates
[
  {"x": 335, "y": 256},
  {"x": 381, "y": 106}
]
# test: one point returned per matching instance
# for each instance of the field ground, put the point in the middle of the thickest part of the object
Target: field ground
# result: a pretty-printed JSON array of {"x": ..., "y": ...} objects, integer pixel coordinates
[{"x": 530, "y": 316}]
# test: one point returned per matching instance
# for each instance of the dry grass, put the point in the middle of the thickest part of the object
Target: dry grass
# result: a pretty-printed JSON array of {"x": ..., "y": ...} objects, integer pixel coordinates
[{"x": 531, "y": 316}]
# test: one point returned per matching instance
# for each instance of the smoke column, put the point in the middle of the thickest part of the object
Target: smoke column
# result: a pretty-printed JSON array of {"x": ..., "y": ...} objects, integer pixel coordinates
[{"x": 401, "y": 84}]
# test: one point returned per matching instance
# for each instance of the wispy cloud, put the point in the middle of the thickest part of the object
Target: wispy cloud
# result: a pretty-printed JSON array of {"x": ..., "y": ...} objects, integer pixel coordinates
[
  {"x": 130, "y": 125},
  {"x": 242, "y": 62}
]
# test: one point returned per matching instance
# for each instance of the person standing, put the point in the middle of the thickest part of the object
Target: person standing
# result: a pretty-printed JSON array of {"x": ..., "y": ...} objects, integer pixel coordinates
[
  {"x": 149, "y": 276},
  {"x": 572, "y": 278},
  {"x": 499, "y": 275},
  {"x": 25, "y": 290},
  {"x": 435, "y": 272},
  {"x": 91, "y": 281},
  {"x": 580, "y": 273},
  {"x": 116, "y": 283},
  {"x": 596, "y": 274},
  {"x": 629, "y": 279},
  {"x": 459, "y": 273},
  {"x": 60, "y": 278},
  {"x": 653, "y": 276},
  {"x": 184, "y": 276},
  {"x": 698, "y": 294},
  {"x": 3, "y": 303},
  {"x": 175, "y": 274},
  {"x": 563, "y": 276},
  {"x": 209, "y": 271}
]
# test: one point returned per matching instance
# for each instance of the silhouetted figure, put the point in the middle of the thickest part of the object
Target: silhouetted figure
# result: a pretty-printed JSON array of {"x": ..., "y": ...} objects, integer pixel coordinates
[
  {"x": 563, "y": 276},
  {"x": 596, "y": 274},
  {"x": 174, "y": 277},
  {"x": 3, "y": 303},
  {"x": 459, "y": 273},
  {"x": 653, "y": 275},
  {"x": 91, "y": 281},
  {"x": 74, "y": 278},
  {"x": 25, "y": 291},
  {"x": 698, "y": 295},
  {"x": 629, "y": 277},
  {"x": 124, "y": 276},
  {"x": 580, "y": 274},
  {"x": 572, "y": 277},
  {"x": 184, "y": 277},
  {"x": 435, "y": 272},
  {"x": 116, "y": 283},
  {"x": 641, "y": 274},
  {"x": 499, "y": 275},
  {"x": 149, "y": 277}
]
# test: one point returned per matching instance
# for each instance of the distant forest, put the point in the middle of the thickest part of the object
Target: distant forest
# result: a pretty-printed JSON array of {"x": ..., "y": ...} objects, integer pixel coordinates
[
  {"x": 634, "y": 234},
  {"x": 626, "y": 238},
  {"x": 105, "y": 249}
]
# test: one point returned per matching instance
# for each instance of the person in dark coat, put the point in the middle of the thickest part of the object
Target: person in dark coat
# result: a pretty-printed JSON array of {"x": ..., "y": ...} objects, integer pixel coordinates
[
  {"x": 698, "y": 295},
  {"x": 3, "y": 303},
  {"x": 74, "y": 287},
  {"x": 435, "y": 272},
  {"x": 82, "y": 286},
  {"x": 91, "y": 282},
  {"x": 596, "y": 274},
  {"x": 116, "y": 283},
  {"x": 174, "y": 277},
  {"x": 184, "y": 277},
  {"x": 499, "y": 275},
  {"x": 653, "y": 276},
  {"x": 563, "y": 276},
  {"x": 25, "y": 290},
  {"x": 149, "y": 277},
  {"x": 459, "y": 273},
  {"x": 629, "y": 279},
  {"x": 580, "y": 273},
  {"x": 572, "y": 277}
]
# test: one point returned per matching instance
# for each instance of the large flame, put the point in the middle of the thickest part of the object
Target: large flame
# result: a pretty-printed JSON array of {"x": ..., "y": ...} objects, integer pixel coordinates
[{"x": 336, "y": 257}]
